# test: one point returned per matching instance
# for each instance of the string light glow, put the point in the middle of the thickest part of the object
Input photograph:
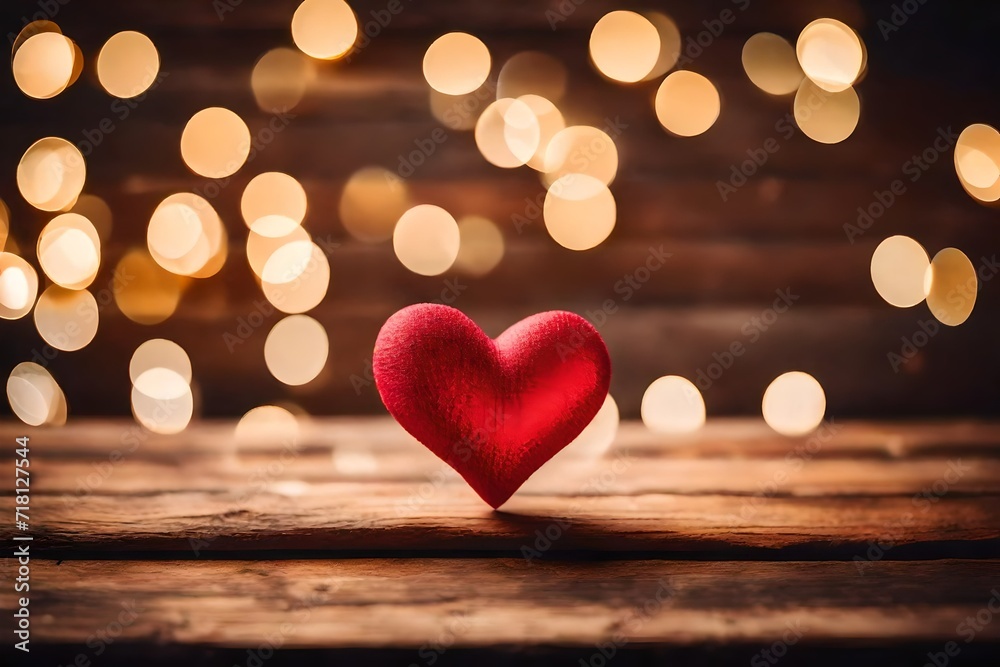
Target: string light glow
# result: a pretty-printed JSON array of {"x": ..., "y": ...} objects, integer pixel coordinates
[
  {"x": 426, "y": 240},
  {"x": 324, "y": 29},
  {"x": 899, "y": 265},
  {"x": 128, "y": 64},
  {"x": 673, "y": 405},
  {"x": 215, "y": 143},
  {"x": 456, "y": 63},
  {"x": 770, "y": 63},
  {"x": 579, "y": 211},
  {"x": 51, "y": 174},
  {"x": 687, "y": 103},
  {"x": 296, "y": 350},
  {"x": 794, "y": 403},
  {"x": 18, "y": 286},
  {"x": 624, "y": 46},
  {"x": 951, "y": 285}
]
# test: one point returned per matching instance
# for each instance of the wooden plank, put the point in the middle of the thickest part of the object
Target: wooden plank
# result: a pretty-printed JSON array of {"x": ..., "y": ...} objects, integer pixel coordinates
[{"x": 486, "y": 602}]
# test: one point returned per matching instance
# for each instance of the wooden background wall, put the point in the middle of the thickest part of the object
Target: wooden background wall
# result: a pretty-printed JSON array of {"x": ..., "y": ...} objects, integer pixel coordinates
[{"x": 783, "y": 230}]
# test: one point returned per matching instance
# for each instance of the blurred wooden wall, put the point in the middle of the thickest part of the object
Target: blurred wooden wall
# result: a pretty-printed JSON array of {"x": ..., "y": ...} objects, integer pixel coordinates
[{"x": 782, "y": 231}]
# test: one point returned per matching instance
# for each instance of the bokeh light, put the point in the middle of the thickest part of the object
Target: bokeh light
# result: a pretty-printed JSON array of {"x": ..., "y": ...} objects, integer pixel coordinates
[
  {"x": 579, "y": 211},
  {"x": 372, "y": 201},
  {"x": 35, "y": 397},
  {"x": 162, "y": 401},
  {"x": 624, "y": 46},
  {"x": 296, "y": 277},
  {"x": 426, "y": 240},
  {"x": 96, "y": 210},
  {"x": 460, "y": 112},
  {"x": 185, "y": 236},
  {"x": 794, "y": 403},
  {"x": 44, "y": 64},
  {"x": 977, "y": 162},
  {"x": 18, "y": 286},
  {"x": 826, "y": 117},
  {"x": 672, "y": 405},
  {"x": 508, "y": 133},
  {"x": 273, "y": 203},
  {"x": 532, "y": 73},
  {"x": 596, "y": 439},
  {"x": 51, "y": 174},
  {"x": 831, "y": 54},
  {"x": 550, "y": 123},
  {"x": 770, "y": 62},
  {"x": 145, "y": 292},
  {"x": 951, "y": 285},
  {"x": 281, "y": 78},
  {"x": 456, "y": 63},
  {"x": 670, "y": 44},
  {"x": 67, "y": 319},
  {"x": 581, "y": 149},
  {"x": 898, "y": 267},
  {"x": 324, "y": 29},
  {"x": 687, "y": 103},
  {"x": 160, "y": 353},
  {"x": 215, "y": 143},
  {"x": 480, "y": 245},
  {"x": 296, "y": 350},
  {"x": 267, "y": 427},
  {"x": 260, "y": 247},
  {"x": 4, "y": 224},
  {"x": 69, "y": 251},
  {"x": 128, "y": 64}
]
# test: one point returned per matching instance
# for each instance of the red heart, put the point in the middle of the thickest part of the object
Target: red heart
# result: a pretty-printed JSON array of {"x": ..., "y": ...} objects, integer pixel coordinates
[{"x": 495, "y": 411}]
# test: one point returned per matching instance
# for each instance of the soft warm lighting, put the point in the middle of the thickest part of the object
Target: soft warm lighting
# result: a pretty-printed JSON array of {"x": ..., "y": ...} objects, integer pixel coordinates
[
  {"x": 831, "y": 54},
  {"x": 4, "y": 224},
  {"x": 550, "y": 123},
  {"x": 581, "y": 149},
  {"x": 532, "y": 73},
  {"x": 296, "y": 277},
  {"x": 267, "y": 426},
  {"x": 146, "y": 293},
  {"x": 794, "y": 403},
  {"x": 826, "y": 117},
  {"x": 481, "y": 245},
  {"x": 372, "y": 201},
  {"x": 35, "y": 397},
  {"x": 670, "y": 44},
  {"x": 69, "y": 251},
  {"x": 215, "y": 143},
  {"x": 624, "y": 46},
  {"x": 508, "y": 133},
  {"x": 273, "y": 204},
  {"x": 596, "y": 439},
  {"x": 458, "y": 112},
  {"x": 770, "y": 63},
  {"x": 96, "y": 210},
  {"x": 44, "y": 64},
  {"x": 426, "y": 240},
  {"x": 260, "y": 247},
  {"x": 280, "y": 79},
  {"x": 977, "y": 162},
  {"x": 672, "y": 404},
  {"x": 579, "y": 211},
  {"x": 951, "y": 285},
  {"x": 51, "y": 174},
  {"x": 324, "y": 29},
  {"x": 18, "y": 286},
  {"x": 128, "y": 64},
  {"x": 456, "y": 63},
  {"x": 899, "y": 265},
  {"x": 185, "y": 236},
  {"x": 67, "y": 319},
  {"x": 296, "y": 350},
  {"x": 162, "y": 401},
  {"x": 160, "y": 353},
  {"x": 687, "y": 103}
]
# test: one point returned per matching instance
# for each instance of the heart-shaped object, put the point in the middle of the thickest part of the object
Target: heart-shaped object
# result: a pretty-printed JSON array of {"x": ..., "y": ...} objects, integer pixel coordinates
[{"x": 495, "y": 411}]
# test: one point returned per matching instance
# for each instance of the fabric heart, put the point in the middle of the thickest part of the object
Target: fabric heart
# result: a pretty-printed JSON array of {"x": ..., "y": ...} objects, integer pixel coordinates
[{"x": 495, "y": 411}]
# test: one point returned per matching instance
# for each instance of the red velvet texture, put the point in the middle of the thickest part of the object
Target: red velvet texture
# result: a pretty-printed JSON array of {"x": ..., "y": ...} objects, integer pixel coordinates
[{"x": 495, "y": 411}]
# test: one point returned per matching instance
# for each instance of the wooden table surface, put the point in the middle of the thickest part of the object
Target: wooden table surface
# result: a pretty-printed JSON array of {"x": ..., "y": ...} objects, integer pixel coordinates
[{"x": 875, "y": 535}]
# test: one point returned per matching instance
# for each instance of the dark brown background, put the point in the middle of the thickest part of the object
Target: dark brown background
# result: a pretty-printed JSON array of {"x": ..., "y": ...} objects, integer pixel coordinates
[{"x": 784, "y": 229}]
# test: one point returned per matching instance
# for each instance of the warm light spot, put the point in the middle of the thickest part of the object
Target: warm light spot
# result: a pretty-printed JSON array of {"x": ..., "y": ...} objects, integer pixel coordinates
[
  {"x": 596, "y": 439},
  {"x": 507, "y": 133},
  {"x": 43, "y": 65},
  {"x": 456, "y": 63},
  {"x": 532, "y": 73},
  {"x": 260, "y": 247},
  {"x": 35, "y": 397},
  {"x": 296, "y": 277},
  {"x": 69, "y": 251},
  {"x": 898, "y": 267},
  {"x": 128, "y": 64},
  {"x": 977, "y": 162},
  {"x": 32, "y": 29},
  {"x": 296, "y": 350},
  {"x": 354, "y": 462},
  {"x": 96, "y": 210},
  {"x": 185, "y": 236},
  {"x": 579, "y": 211},
  {"x": 268, "y": 426},
  {"x": 4, "y": 224},
  {"x": 162, "y": 401},
  {"x": 770, "y": 63},
  {"x": 280, "y": 79},
  {"x": 481, "y": 245},
  {"x": 826, "y": 117},
  {"x": 273, "y": 204},
  {"x": 550, "y": 123},
  {"x": 687, "y": 103},
  {"x": 831, "y": 54},
  {"x": 670, "y": 44},
  {"x": 372, "y": 201},
  {"x": 457, "y": 112},
  {"x": 324, "y": 29},
  {"x": 51, "y": 174},
  {"x": 672, "y": 404},
  {"x": 215, "y": 143},
  {"x": 951, "y": 285},
  {"x": 160, "y": 353},
  {"x": 144, "y": 292},
  {"x": 67, "y": 319},
  {"x": 624, "y": 46},
  {"x": 426, "y": 240},
  {"x": 794, "y": 403},
  {"x": 18, "y": 286},
  {"x": 581, "y": 149}
]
